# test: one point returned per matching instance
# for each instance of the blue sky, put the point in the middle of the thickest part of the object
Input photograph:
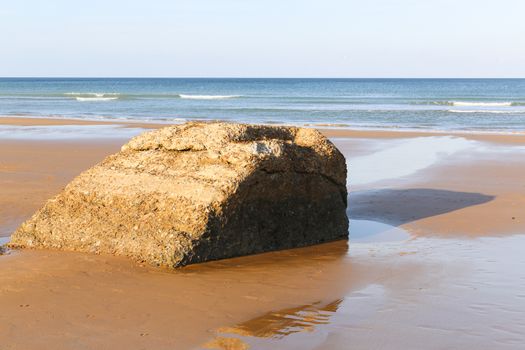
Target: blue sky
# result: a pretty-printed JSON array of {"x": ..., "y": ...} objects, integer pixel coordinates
[{"x": 263, "y": 38}]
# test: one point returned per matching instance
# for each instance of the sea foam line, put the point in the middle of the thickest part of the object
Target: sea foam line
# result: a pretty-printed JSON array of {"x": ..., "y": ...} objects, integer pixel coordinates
[
  {"x": 96, "y": 94},
  {"x": 207, "y": 97},
  {"x": 482, "y": 111},
  {"x": 93, "y": 99},
  {"x": 480, "y": 104}
]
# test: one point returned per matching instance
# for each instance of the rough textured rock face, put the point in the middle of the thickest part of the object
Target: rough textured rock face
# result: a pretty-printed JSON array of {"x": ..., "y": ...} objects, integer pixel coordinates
[{"x": 200, "y": 191}]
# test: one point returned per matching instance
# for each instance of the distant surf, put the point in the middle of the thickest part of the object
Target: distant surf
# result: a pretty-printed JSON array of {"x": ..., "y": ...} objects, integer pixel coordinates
[
  {"x": 88, "y": 99},
  {"x": 93, "y": 96},
  {"x": 472, "y": 103},
  {"x": 487, "y": 111},
  {"x": 480, "y": 104},
  {"x": 207, "y": 97}
]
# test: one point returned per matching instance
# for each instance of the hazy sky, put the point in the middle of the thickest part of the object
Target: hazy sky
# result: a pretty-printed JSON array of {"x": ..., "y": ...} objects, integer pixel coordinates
[{"x": 263, "y": 38}]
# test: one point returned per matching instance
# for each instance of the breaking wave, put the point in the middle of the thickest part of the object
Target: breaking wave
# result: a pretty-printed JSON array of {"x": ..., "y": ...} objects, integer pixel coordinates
[{"x": 93, "y": 96}]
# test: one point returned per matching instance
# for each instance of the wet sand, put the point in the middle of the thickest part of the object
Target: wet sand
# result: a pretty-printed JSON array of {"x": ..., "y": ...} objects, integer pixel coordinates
[
  {"x": 477, "y": 191},
  {"x": 32, "y": 121},
  {"x": 80, "y": 301},
  {"x": 457, "y": 282}
]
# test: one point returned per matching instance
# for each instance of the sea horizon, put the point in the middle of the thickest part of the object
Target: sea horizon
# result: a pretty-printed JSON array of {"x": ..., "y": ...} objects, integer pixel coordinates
[{"x": 72, "y": 77}]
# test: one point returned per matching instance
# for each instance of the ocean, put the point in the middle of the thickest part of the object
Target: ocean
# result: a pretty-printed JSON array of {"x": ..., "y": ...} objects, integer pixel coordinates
[{"x": 495, "y": 105}]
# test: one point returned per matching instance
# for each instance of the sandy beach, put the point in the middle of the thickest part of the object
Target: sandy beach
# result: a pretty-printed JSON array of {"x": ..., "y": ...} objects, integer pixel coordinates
[
  {"x": 260, "y": 175},
  {"x": 436, "y": 221}
]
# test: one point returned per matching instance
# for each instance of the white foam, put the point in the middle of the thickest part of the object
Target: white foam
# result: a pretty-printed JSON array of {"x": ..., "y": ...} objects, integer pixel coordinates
[
  {"x": 94, "y": 99},
  {"x": 480, "y": 104},
  {"x": 481, "y": 111},
  {"x": 208, "y": 97},
  {"x": 406, "y": 157},
  {"x": 95, "y": 94}
]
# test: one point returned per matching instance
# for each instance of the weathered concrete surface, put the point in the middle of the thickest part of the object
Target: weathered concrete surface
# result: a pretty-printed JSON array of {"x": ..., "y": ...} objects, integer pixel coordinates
[{"x": 200, "y": 191}]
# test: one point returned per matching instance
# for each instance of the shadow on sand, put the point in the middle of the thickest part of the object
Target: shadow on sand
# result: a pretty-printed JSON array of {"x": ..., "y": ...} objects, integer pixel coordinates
[{"x": 401, "y": 206}]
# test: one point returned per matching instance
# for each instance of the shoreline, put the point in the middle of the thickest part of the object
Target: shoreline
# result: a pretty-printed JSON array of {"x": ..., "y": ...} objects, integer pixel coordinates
[{"x": 516, "y": 137}]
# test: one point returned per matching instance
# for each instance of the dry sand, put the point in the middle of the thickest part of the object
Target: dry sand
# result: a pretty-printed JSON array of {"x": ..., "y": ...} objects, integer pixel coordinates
[
  {"x": 312, "y": 298},
  {"x": 32, "y": 172}
]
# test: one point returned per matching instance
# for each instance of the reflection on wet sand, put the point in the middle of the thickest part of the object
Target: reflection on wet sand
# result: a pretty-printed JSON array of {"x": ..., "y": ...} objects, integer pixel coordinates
[
  {"x": 418, "y": 203},
  {"x": 445, "y": 294},
  {"x": 275, "y": 325},
  {"x": 373, "y": 231},
  {"x": 285, "y": 322},
  {"x": 175, "y": 309}
]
